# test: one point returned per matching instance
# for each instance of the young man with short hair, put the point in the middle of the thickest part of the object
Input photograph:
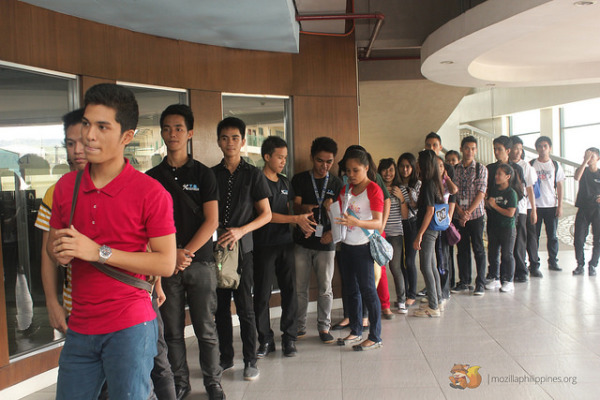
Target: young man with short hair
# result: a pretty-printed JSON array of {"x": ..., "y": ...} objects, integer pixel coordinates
[
  {"x": 274, "y": 254},
  {"x": 526, "y": 232},
  {"x": 549, "y": 204},
  {"x": 471, "y": 180},
  {"x": 57, "y": 312},
  {"x": 502, "y": 146},
  {"x": 243, "y": 208},
  {"x": 588, "y": 213},
  {"x": 112, "y": 331},
  {"x": 314, "y": 191},
  {"x": 193, "y": 187}
]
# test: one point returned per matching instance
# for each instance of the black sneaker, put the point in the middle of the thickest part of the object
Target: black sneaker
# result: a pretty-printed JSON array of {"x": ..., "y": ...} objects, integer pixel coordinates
[
  {"x": 289, "y": 348},
  {"x": 422, "y": 293},
  {"x": 554, "y": 267},
  {"x": 301, "y": 334},
  {"x": 251, "y": 372},
  {"x": 592, "y": 271},
  {"x": 215, "y": 392},
  {"x": 459, "y": 288},
  {"x": 479, "y": 290},
  {"x": 521, "y": 279},
  {"x": 265, "y": 348},
  {"x": 225, "y": 365},
  {"x": 326, "y": 337},
  {"x": 536, "y": 273},
  {"x": 579, "y": 270}
]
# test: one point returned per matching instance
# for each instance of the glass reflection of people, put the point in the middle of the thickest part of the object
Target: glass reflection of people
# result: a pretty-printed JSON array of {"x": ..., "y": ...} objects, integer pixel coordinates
[{"x": 57, "y": 312}]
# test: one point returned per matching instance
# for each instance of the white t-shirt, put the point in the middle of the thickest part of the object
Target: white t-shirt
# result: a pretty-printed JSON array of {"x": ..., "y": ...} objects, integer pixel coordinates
[
  {"x": 369, "y": 199},
  {"x": 530, "y": 179},
  {"x": 545, "y": 173}
]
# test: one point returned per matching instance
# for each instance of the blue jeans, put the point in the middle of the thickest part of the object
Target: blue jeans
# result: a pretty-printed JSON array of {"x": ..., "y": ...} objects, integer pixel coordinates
[
  {"x": 123, "y": 358},
  {"x": 359, "y": 281}
]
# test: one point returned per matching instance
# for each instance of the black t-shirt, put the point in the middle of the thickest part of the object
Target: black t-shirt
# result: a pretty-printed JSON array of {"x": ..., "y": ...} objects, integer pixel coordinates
[
  {"x": 198, "y": 182},
  {"x": 428, "y": 197},
  {"x": 492, "y": 168},
  {"x": 237, "y": 194},
  {"x": 276, "y": 234},
  {"x": 303, "y": 187},
  {"x": 506, "y": 198},
  {"x": 589, "y": 189}
]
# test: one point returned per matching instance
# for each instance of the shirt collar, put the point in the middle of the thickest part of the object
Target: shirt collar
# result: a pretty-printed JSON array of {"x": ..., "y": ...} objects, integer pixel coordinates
[
  {"x": 189, "y": 163},
  {"x": 242, "y": 165},
  {"x": 114, "y": 187}
]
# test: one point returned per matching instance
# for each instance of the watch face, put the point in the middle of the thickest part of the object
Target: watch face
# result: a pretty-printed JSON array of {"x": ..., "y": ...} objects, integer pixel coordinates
[{"x": 105, "y": 252}]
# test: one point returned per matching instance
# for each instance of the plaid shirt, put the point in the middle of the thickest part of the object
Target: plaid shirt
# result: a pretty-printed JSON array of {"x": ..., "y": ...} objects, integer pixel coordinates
[{"x": 469, "y": 185}]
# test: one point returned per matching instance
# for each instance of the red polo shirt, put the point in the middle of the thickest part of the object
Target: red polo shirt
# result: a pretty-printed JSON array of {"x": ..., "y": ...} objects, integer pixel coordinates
[{"x": 122, "y": 215}]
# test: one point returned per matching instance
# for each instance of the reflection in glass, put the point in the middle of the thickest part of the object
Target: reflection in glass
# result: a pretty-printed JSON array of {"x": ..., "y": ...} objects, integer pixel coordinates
[
  {"x": 264, "y": 116},
  {"x": 147, "y": 149},
  {"x": 32, "y": 158}
]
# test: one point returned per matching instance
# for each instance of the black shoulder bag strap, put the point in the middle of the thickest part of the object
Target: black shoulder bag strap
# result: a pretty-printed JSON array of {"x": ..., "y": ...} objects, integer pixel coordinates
[
  {"x": 173, "y": 185},
  {"x": 107, "y": 269}
]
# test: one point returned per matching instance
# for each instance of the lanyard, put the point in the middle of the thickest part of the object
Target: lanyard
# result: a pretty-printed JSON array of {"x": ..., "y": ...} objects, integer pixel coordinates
[{"x": 320, "y": 198}]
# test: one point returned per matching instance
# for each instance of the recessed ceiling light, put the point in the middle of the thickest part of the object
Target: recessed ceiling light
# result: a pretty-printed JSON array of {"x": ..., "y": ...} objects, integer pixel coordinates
[
  {"x": 447, "y": 62},
  {"x": 584, "y": 3},
  {"x": 490, "y": 84}
]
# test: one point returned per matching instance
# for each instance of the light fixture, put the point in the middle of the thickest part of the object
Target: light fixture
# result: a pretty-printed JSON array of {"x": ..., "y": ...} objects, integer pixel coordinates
[
  {"x": 447, "y": 62},
  {"x": 490, "y": 84},
  {"x": 584, "y": 3}
]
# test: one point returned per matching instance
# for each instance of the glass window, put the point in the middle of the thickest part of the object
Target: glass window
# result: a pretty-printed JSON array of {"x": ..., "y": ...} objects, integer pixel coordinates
[
  {"x": 32, "y": 158},
  {"x": 525, "y": 122},
  {"x": 581, "y": 113},
  {"x": 264, "y": 116},
  {"x": 147, "y": 149}
]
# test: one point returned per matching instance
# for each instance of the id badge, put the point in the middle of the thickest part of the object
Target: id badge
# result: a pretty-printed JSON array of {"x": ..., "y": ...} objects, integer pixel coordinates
[{"x": 319, "y": 230}]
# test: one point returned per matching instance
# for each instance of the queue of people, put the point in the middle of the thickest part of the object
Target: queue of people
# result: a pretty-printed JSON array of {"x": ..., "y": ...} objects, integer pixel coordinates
[{"x": 105, "y": 217}]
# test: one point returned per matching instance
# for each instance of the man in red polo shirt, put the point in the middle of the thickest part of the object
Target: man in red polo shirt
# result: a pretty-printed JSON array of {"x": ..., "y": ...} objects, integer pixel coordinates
[{"x": 119, "y": 212}]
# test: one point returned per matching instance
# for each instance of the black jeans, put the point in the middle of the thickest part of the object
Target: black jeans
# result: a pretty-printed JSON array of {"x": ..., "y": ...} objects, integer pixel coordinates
[
  {"x": 197, "y": 286},
  {"x": 242, "y": 296},
  {"x": 501, "y": 240},
  {"x": 471, "y": 235},
  {"x": 442, "y": 256},
  {"x": 550, "y": 220},
  {"x": 532, "y": 244},
  {"x": 359, "y": 283},
  {"x": 409, "y": 264},
  {"x": 583, "y": 220},
  {"x": 269, "y": 262},
  {"x": 520, "y": 250}
]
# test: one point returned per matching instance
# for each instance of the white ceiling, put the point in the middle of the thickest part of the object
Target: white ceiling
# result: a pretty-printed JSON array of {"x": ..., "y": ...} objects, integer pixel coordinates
[{"x": 516, "y": 43}]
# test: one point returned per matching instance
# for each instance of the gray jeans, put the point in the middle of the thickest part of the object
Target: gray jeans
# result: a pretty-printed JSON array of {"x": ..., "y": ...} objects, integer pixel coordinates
[
  {"x": 397, "y": 243},
  {"x": 429, "y": 270},
  {"x": 322, "y": 263}
]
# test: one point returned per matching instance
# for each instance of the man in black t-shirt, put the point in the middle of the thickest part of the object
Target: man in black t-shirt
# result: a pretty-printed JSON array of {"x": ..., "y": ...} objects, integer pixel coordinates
[
  {"x": 274, "y": 254},
  {"x": 588, "y": 213},
  {"x": 243, "y": 208},
  {"x": 194, "y": 190},
  {"x": 502, "y": 146},
  {"x": 314, "y": 191}
]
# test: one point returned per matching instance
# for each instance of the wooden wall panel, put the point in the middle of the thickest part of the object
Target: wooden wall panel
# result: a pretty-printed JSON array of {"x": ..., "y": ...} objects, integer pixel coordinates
[
  {"x": 26, "y": 368},
  {"x": 207, "y": 114},
  {"x": 325, "y": 67},
  {"x": 323, "y": 116},
  {"x": 89, "y": 81}
]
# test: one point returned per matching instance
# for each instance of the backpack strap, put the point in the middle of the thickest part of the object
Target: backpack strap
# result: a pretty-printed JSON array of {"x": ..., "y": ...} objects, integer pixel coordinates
[
  {"x": 555, "y": 163},
  {"x": 186, "y": 198},
  {"x": 107, "y": 269}
]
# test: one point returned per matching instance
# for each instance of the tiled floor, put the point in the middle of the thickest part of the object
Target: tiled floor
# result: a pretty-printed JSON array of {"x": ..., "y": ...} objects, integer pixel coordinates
[{"x": 548, "y": 328}]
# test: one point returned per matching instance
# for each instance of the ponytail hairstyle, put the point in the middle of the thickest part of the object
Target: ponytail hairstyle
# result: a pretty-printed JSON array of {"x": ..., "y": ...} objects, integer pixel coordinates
[
  {"x": 386, "y": 163},
  {"x": 414, "y": 177},
  {"x": 513, "y": 182},
  {"x": 359, "y": 153},
  {"x": 428, "y": 165}
]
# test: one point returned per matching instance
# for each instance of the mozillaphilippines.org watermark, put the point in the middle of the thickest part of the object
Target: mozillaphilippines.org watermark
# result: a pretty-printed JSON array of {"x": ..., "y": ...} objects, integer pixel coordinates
[{"x": 526, "y": 378}]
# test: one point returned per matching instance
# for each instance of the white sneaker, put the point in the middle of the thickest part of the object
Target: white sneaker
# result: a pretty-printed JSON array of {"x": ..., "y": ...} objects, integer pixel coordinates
[
  {"x": 402, "y": 308},
  {"x": 493, "y": 285},
  {"x": 507, "y": 287}
]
